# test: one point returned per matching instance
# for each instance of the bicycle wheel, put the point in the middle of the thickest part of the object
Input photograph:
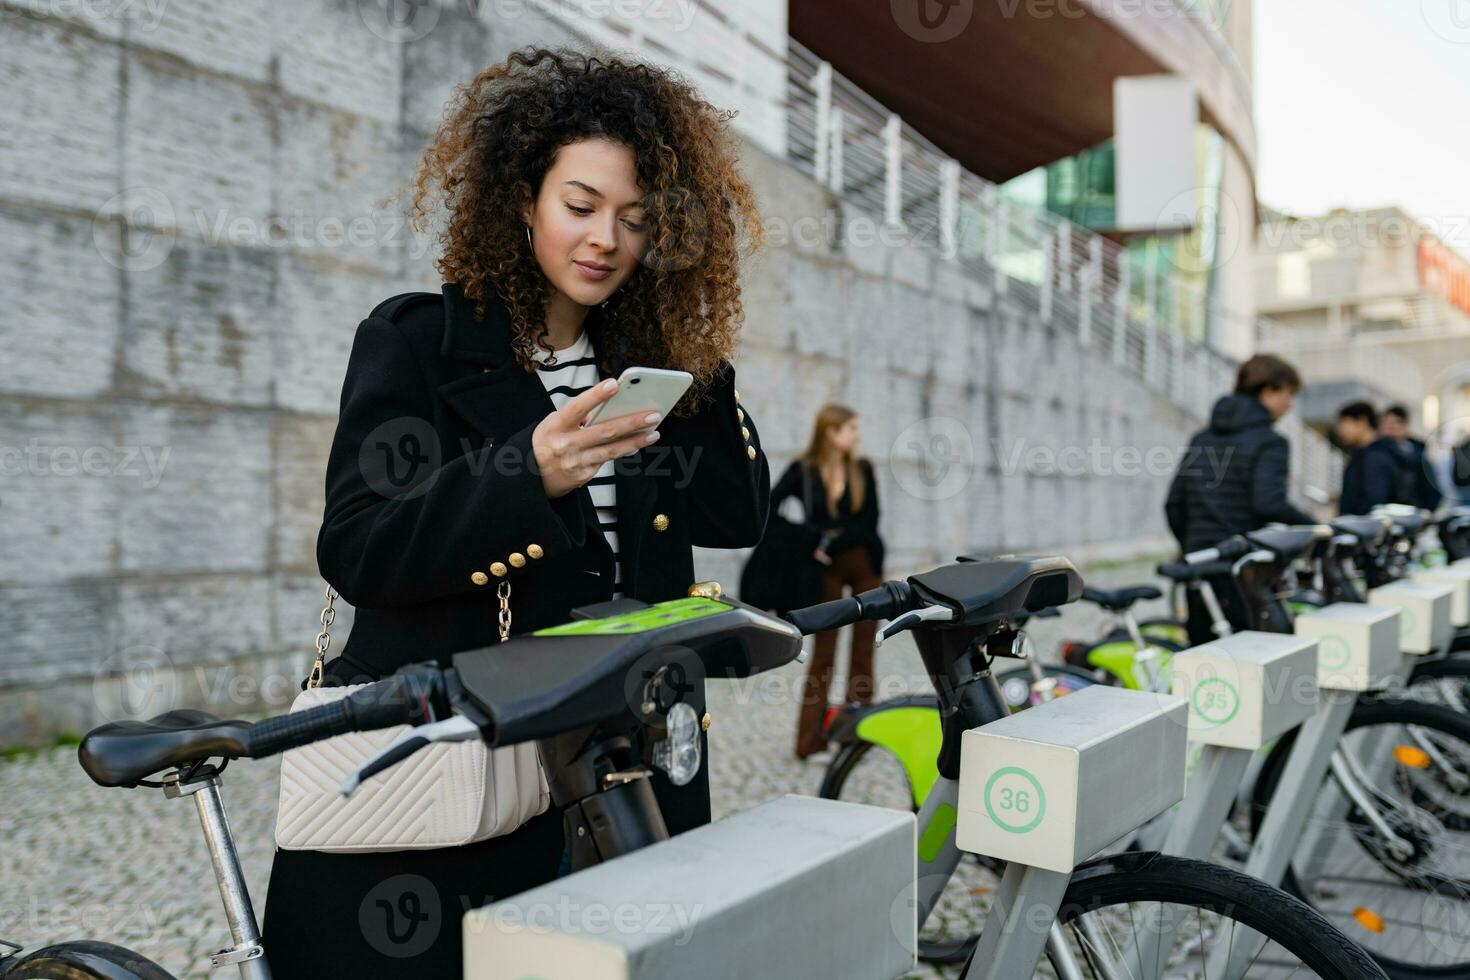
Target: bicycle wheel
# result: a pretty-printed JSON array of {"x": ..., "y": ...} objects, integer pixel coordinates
[
  {"x": 862, "y": 772},
  {"x": 1020, "y": 691},
  {"x": 1410, "y": 910},
  {"x": 1442, "y": 680},
  {"x": 1111, "y": 907}
]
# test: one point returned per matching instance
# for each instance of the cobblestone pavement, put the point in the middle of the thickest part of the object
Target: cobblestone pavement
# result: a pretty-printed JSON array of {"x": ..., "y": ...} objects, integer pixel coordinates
[{"x": 130, "y": 866}]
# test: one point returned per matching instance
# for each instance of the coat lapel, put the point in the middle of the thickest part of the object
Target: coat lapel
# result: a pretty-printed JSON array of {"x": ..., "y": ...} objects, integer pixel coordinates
[{"x": 500, "y": 399}]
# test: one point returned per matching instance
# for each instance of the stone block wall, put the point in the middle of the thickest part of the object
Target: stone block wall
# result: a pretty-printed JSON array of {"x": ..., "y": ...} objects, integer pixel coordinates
[{"x": 192, "y": 223}]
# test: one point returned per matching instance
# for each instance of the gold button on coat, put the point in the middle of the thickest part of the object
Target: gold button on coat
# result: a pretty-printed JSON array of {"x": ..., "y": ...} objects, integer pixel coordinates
[
  {"x": 517, "y": 559},
  {"x": 737, "y": 396},
  {"x": 498, "y": 570},
  {"x": 534, "y": 550},
  {"x": 750, "y": 451},
  {"x": 745, "y": 432},
  {"x": 660, "y": 522},
  {"x": 479, "y": 578},
  {"x": 740, "y": 412}
]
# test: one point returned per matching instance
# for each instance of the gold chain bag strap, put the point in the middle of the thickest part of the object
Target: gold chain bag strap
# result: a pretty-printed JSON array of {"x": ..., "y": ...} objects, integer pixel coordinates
[{"x": 448, "y": 794}]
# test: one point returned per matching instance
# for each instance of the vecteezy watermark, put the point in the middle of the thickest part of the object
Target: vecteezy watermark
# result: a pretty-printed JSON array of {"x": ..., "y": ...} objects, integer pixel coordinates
[
  {"x": 571, "y": 917},
  {"x": 140, "y": 15},
  {"x": 406, "y": 21},
  {"x": 401, "y": 916},
  {"x": 1449, "y": 19},
  {"x": 36, "y": 458},
  {"x": 932, "y": 21},
  {"x": 1098, "y": 458},
  {"x": 403, "y": 458},
  {"x": 1368, "y": 229},
  {"x": 135, "y": 682},
  {"x": 1209, "y": 12},
  {"x": 136, "y": 922},
  {"x": 137, "y": 229},
  {"x": 832, "y": 228},
  {"x": 933, "y": 458},
  {"x": 134, "y": 230}
]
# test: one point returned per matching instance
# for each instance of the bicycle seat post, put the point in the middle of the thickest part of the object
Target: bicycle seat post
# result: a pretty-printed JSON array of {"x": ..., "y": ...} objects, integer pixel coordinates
[{"x": 247, "y": 951}]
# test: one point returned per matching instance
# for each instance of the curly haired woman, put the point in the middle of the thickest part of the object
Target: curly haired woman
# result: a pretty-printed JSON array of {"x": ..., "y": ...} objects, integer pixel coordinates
[{"x": 596, "y": 217}]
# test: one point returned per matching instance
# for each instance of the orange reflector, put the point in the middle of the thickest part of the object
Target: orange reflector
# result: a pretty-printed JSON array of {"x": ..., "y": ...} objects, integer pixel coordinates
[
  {"x": 1408, "y": 755},
  {"x": 1368, "y": 919}
]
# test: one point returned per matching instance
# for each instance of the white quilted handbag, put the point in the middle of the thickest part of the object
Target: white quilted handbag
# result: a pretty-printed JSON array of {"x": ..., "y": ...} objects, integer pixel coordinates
[{"x": 448, "y": 794}]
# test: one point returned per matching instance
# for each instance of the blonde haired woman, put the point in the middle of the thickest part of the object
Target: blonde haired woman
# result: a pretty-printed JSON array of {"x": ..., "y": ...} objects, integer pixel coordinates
[{"x": 839, "y": 495}]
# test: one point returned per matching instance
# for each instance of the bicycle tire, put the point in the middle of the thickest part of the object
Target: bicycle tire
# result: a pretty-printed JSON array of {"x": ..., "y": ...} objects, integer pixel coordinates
[
  {"x": 1367, "y": 713},
  {"x": 1441, "y": 668},
  {"x": 833, "y": 780},
  {"x": 81, "y": 959},
  {"x": 1281, "y": 918}
]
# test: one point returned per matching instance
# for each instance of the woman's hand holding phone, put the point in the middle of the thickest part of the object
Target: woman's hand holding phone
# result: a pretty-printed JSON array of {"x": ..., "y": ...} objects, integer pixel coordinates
[{"x": 569, "y": 454}]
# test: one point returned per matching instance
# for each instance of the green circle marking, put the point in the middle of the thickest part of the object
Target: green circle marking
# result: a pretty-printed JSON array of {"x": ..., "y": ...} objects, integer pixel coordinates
[
  {"x": 1407, "y": 621},
  {"x": 1332, "y": 652},
  {"x": 1215, "y": 700},
  {"x": 1013, "y": 798}
]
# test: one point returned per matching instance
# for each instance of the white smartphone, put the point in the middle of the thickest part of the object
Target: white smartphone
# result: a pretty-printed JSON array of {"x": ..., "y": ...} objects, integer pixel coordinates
[{"x": 643, "y": 390}]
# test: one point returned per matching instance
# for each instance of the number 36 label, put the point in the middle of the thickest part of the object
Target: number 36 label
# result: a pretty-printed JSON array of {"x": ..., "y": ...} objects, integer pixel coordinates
[{"x": 1015, "y": 800}]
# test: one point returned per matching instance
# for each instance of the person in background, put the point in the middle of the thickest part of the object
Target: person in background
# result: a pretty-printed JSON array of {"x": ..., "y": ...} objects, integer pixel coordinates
[
  {"x": 1460, "y": 471},
  {"x": 1418, "y": 486},
  {"x": 1374, "y": 472},
  {"x": 1233, "y": 478},
  {"x": 842, "y": 506}
]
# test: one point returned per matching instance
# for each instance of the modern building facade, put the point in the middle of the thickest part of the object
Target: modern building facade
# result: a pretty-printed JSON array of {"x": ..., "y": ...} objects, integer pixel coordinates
[{"x": 1372, "y": 304}]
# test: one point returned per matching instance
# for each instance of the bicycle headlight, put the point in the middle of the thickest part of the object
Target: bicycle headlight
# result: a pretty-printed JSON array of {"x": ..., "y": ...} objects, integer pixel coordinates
[{"x": 679, "y": 753}]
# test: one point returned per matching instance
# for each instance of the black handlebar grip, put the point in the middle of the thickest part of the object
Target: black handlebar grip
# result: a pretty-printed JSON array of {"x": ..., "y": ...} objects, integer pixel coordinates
[
  {"x": 396, "y": 700},
  {"x": 825, "y": 615},
  {"x": 300, "y": 728}
]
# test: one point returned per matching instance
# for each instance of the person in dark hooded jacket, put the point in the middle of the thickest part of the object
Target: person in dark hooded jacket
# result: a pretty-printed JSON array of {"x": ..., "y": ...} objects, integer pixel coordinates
[
  {"x": 1375, "y": 473},
  {"x": 1233, "y": 477}
]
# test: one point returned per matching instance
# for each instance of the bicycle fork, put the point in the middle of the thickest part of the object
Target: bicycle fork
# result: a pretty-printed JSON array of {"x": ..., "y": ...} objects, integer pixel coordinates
[
  {"x": 938, "y": 860},
  {"x": 246, "y": 951}
]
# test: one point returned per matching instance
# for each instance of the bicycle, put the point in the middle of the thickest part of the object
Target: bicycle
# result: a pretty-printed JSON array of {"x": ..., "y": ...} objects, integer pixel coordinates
[
  {"x": 1407, "y": 831},
  {"x": 568, "y": 687},
  {"x": 969, "y": 696}
]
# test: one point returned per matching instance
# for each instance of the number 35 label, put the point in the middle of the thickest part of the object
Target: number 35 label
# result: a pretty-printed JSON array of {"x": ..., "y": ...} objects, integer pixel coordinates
[{"x": 1015, "y": 800}]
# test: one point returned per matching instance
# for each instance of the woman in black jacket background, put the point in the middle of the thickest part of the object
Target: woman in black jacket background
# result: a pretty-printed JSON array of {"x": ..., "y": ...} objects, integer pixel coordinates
[
  {"x": 588, "y": 200},
  {"x": 839, "y": 495}
]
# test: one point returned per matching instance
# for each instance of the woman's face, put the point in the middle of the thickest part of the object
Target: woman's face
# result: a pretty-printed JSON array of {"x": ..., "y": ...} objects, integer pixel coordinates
[
  {"x": 845, "y": 437},
  {"x": 587, "y": 218}
]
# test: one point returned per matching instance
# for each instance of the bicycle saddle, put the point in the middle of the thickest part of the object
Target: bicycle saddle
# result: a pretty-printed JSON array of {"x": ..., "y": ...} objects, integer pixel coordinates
[
  {"x": 121, "y": 753},
  {"x": 588, "y": 671},
  {"x": 1290, "y": 543},
  {"x": 1119, "y": 600},
  {"x": 1407, "y": 520},
  {"x": 986, "y": 589},
  {"x": 1370, "y": 531}
]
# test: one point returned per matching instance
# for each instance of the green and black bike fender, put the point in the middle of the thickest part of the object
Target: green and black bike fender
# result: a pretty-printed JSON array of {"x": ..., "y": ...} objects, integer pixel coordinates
[{"x": 908, "y": 727}]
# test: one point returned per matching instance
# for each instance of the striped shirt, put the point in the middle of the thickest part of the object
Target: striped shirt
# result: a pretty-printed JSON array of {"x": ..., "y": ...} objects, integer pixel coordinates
[{"x": 574, "y": 372}]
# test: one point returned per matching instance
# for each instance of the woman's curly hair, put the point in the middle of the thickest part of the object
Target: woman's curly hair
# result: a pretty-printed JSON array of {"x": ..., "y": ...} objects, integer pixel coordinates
[{"x": 681, "y": 309}]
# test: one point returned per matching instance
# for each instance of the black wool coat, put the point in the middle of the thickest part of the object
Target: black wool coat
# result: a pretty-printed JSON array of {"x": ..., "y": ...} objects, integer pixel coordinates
[{"x": 432, "y": 500}]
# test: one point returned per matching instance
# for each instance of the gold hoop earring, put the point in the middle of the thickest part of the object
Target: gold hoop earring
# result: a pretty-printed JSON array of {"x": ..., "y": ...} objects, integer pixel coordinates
[{"x": 528, "y": 237}]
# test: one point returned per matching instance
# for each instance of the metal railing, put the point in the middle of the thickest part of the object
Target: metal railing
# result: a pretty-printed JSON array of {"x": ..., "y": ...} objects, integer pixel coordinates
[{"x": 844, "y": 139}]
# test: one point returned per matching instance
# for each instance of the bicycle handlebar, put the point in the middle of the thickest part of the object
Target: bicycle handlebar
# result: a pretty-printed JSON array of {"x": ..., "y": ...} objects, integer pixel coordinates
[
  {"x": 884, "y": 602},
  {"x": 397, "y": 700},
  {"x": 1227, "y": 550}
]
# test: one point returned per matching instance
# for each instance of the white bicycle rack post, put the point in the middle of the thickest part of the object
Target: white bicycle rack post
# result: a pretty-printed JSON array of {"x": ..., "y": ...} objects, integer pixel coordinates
[
  {"x": 1357, "y": 650},
  {"x": 1244, "y": 691},
  {"x": 796, "y": 887},
  {"x": 1048, "y": 788}
]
